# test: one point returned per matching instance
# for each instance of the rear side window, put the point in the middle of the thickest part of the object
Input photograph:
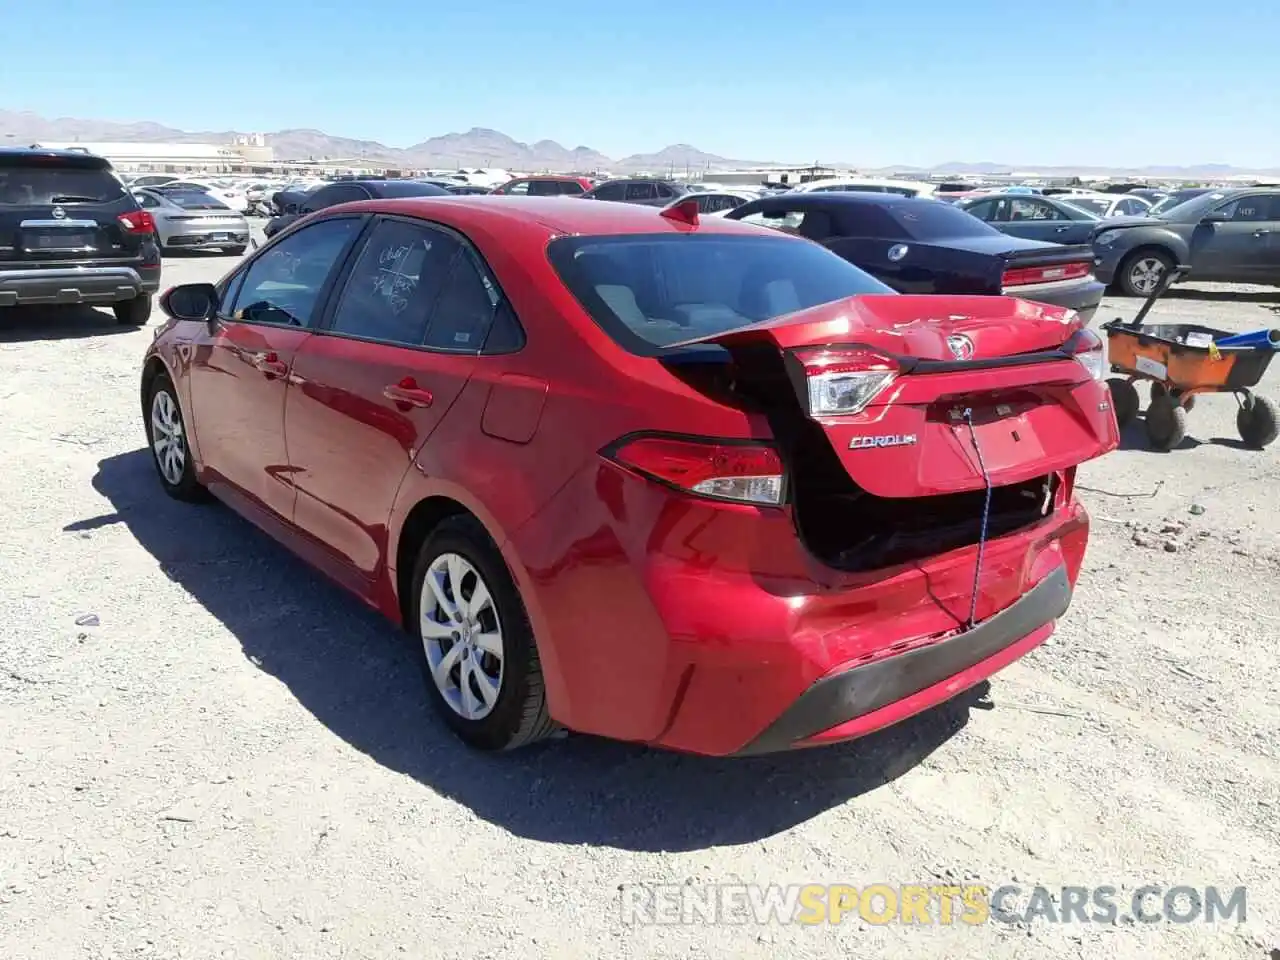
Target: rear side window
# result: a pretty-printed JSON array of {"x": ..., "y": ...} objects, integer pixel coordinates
[
  {"x": 37, "y": 184},
  {"x": 650, "y": 291},
  {"x": 395, "y": 282},
  {"x": 641, "y": 191}
]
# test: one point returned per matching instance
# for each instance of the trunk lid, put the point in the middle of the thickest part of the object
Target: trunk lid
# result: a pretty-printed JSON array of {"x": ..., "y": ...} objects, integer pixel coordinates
[{"x": 1033, "y": 407}]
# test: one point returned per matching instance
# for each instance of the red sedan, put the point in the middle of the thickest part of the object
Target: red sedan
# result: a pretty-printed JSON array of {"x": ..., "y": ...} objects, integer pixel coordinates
[{"x": 696, "y": 484}]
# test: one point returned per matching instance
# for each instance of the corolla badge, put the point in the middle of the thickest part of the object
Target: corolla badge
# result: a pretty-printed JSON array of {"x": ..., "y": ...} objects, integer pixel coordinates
[
  {"x": 898, "y": 251},
  {"x": 58, "y": 213},
  {"x": 961, "y": 347},
  {"x": 867, "y": 442}
]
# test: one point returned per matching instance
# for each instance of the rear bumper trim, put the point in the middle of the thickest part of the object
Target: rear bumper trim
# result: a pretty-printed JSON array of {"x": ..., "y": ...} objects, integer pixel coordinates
[
  {"x": 838, "y": 698},
  {"x": 72, "y": 285}
]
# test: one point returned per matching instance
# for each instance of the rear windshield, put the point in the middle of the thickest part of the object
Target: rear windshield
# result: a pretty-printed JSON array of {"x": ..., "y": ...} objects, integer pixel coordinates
[
  {"x": 650, "y": 291},
  {"x": 931, "y": 220},
  {"x": 46, "y": 183},
  {"x": 194, "y": 200}
]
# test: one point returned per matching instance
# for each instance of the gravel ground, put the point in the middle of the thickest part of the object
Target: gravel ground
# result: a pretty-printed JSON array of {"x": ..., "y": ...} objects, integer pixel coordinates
[{"x": 207, "y": 751}]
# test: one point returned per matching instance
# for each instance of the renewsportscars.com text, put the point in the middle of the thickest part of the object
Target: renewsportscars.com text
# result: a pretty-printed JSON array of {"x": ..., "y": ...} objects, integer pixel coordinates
[{"x": 926, "y": 904}]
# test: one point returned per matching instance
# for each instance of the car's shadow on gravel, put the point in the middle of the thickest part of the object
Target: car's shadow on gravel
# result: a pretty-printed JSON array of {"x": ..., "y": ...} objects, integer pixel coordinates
[
  {"x": 356, "y": 674},
  {"x": 25, "y": 324}
]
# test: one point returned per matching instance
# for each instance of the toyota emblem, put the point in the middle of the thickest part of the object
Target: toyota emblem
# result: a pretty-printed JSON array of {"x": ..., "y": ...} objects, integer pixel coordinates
[
  {"x": 961, "y": 347},
  {"x": 58, "y": 213}
]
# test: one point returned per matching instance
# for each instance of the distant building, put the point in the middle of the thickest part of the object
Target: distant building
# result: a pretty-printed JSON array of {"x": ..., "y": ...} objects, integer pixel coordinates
[{"x": 248, "y": 153}]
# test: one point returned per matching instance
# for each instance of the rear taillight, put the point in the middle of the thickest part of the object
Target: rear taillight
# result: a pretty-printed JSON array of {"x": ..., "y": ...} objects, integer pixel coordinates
[
  {"x": 723, "y": 470},
  {"x": 1086, "y": 346},
  {"x": 1023, "y": 276},
  {"x": 137, "y": 221},
  {"x": 843, "y": 381}
]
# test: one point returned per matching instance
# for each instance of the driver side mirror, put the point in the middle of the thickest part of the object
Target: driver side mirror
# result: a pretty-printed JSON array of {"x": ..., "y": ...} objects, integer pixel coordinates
[
  {"x": 190, "y": 301},
  {"x": 1216, "y": 216}
]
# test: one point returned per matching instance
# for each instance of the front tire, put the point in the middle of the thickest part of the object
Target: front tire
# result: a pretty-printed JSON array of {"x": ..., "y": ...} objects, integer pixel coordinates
[
  {"x": 167, "y": 440},
  {"x": 1143, "y": 271},
  {"x": 133, "y": 313},
  {"x": 476, "y": 648}
]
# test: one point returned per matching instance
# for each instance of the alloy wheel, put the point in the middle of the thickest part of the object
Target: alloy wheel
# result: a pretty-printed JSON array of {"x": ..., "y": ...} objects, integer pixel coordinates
[
  {"x": 1145, "y": 274},
  {"x": 168, "y": 440},
  {"x": 462, "y": 636}
]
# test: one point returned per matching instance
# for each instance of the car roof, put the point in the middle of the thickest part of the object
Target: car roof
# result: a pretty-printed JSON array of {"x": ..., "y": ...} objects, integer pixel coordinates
[
  {"x": 81, "y": 157},
  {"x": 844, "y": 198},
  {"x": 547, "y": 216}
]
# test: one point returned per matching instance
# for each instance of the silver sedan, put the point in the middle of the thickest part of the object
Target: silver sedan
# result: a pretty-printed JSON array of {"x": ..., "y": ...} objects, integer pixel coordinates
[{"x": 190, "y": 220}]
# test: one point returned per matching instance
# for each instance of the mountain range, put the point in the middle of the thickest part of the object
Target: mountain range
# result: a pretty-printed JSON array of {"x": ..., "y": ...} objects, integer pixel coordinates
[
  {"x": 481, "y": 147},
  {"x": 478, "y": 147}
]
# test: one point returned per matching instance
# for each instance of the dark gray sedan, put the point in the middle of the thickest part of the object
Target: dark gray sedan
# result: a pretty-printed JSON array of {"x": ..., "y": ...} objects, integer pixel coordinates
[
  {"x": 1229, "y": 236},
  {"x": 1053, "y": 219}
]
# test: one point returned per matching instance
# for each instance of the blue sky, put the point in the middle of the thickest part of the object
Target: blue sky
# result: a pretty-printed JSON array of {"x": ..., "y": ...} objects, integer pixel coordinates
[{"x": 923, "y": 82}]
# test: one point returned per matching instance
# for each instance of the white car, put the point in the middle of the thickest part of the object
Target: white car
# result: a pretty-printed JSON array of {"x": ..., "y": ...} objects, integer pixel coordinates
[
  {"x": 906, "y": 188},
  {"x": 1107, "y": 205}
]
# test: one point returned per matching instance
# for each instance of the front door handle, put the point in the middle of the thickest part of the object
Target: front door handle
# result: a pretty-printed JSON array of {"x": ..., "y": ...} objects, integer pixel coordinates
[
  {"x": 1062, "y": 230},
  {"x": 1261, "y": 232},
  {"x": 407, "y": 393},
  {"x": 270, "y": 364}
]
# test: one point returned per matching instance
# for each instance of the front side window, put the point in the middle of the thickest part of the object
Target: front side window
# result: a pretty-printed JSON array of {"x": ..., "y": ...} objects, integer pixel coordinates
[
  {"x": 284, "y": 283},
  {"x": 650, "y": 291},
  {"x": 395, "y": 282},
  {"x": 1250, "y": 209},
  {"x": 518, "y": 189}
]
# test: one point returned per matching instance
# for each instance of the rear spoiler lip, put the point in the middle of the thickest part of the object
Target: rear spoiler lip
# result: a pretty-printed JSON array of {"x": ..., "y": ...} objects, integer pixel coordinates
[
  {"x": 1064, "y": 253},
  {"x": 695, "y": 353}
]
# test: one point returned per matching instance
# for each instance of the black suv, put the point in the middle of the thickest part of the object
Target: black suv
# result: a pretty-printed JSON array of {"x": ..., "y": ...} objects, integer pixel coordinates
[{"x": 70, "y": 233}]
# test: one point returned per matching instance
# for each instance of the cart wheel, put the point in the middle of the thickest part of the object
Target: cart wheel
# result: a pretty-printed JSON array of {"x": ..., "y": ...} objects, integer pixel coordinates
[
  {"x": 1258, "y": 421},
  {"x": 1124, "y": 401},
  {"x": 1187, "y": 403},
  {"x": 1166, "y": 422}
]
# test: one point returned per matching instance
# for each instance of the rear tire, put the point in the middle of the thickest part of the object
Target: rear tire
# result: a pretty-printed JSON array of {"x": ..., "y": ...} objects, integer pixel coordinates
[
  {"x": 1124, "y": 401},
  {"x": 133, "y": 313},
  {"x": 167, "y": 441},
  {"x": 1258, "y": 422},
  {"x": 490, "y": 702},
  {"x": 1187, "y": 403},
  {"x": 1142, "y": 271},
  {"x": 1166, "y": 423}
]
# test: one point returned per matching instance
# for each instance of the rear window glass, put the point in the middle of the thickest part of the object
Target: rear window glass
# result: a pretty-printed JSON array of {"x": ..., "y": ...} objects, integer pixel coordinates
[
  {"x": 930, "y": 220},
  {"x": 41, "y": 184},
  {"x": 650, "y": 291},
  {"x": 194, "y": 200}
]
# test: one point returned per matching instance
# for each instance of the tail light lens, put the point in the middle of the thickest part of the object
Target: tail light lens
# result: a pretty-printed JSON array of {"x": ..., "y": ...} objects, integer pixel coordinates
[
  {"x": 137, "y": 221},
  {"x": 843, "y": 381},
  {"x": 723, "y": 470},
  {"x": 1022, "y": 276},
  {"x": 1086, "y": 346}
]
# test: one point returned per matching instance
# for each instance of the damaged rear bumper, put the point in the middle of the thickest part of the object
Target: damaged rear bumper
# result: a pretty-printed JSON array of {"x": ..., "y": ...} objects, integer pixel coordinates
[{"x": 832, "y": 707}]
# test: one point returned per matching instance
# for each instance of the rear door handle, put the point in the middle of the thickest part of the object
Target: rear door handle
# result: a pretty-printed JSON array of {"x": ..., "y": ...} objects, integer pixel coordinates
[
  {"x": 1261, "y": 233},
  {"x": 407, "y": 394},
  {"x": 270, "y": 364}
]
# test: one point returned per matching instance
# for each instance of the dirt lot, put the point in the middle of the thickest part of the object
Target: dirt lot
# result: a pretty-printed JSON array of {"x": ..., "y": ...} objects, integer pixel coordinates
[{"x": 207, "y": 751}]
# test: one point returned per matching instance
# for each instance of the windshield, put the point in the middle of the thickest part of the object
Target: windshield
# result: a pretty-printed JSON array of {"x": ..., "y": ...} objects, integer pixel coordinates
[
  {"x": 1175, "y": 200},
  {"x": 650, "y": 291},
  {"x": 928, "y": 220},
  {"x": 38, "y": 185}
]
